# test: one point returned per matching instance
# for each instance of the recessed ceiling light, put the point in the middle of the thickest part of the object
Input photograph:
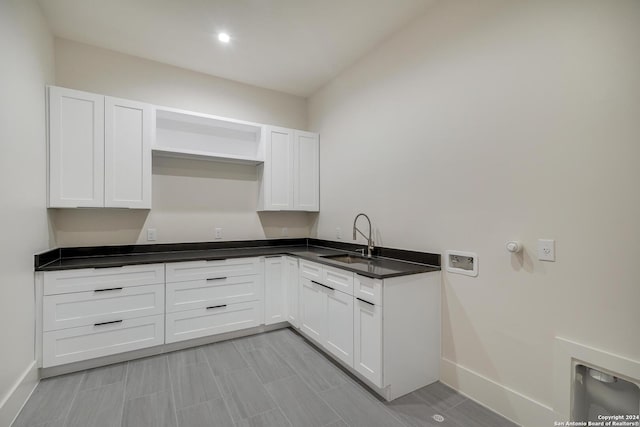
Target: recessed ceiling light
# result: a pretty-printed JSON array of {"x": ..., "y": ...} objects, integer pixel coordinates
[{"x": 224, "y": 37}]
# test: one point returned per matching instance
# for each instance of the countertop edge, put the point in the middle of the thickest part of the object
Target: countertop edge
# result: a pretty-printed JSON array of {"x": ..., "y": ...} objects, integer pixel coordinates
[{"x": 295, "y": 250}]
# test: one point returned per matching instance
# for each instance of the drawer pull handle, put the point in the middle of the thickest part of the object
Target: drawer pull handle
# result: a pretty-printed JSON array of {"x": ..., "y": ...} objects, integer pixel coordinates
[
  {"x": 107, "y": 289},
  {"x": 325, "y": 286},
  {"x": 107, "y": 323},
  {"x": 211, "y": 279},
  {"x": 217, "y": 306},
  {"x": 108, "y": 266},
  {"x": 366, "y": 302},
  {"x": 273, "y": 256}
]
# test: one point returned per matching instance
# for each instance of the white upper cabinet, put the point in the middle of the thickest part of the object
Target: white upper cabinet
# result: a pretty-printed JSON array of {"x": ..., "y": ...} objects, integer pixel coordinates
[
  {"x": 290, "y": 174},
  {"x": 277, "y": 178},
  {"x": 306, "y": 171},
  {"x": 99, "y": 151},
  {"x": 76, "y": 149},
  {"x": 127, "y": 154}
]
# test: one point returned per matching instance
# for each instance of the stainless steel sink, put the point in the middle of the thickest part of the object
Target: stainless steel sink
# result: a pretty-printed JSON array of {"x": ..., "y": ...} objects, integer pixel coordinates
[{"x": 348, "y": 259}]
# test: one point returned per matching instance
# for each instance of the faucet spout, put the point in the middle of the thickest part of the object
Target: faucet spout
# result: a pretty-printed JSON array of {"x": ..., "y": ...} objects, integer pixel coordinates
[{"x": 369, "y": 239}]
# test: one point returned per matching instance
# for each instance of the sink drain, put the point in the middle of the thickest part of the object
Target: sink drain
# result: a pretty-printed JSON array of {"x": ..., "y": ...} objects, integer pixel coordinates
[{"x": 439, "y": 418}]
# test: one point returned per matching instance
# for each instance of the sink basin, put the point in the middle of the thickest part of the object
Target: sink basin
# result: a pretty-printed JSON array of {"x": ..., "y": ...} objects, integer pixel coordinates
[{"x": 348, "y": 259}]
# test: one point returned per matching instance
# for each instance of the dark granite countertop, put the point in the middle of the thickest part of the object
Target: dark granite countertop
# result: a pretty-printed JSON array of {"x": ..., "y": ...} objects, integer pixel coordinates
[{"x": 386, "y": 263}]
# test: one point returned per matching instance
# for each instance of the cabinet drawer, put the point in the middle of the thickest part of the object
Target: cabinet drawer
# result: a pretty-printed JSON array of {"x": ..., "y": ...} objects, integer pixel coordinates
[
  {"x": 87, "y": 308},
  {"x": 203, "y": 293},
  {"x": 338, "y": 279},
  {"x": 202, "y": 270},
  {"x": 367, "y": 289},
  {"x": 90, "y": 279},
  {"x": 184, "y": 325},
  {"x": 88, "y": 342},
  {"x": 311, "y": 270}
]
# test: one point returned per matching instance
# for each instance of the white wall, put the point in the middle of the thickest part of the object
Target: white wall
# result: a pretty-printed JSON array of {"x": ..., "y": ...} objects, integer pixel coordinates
[
  {"x": 27, "y": 64},
  {"x": 483, "y": 122},
  {"x": 190, "y": 198}
]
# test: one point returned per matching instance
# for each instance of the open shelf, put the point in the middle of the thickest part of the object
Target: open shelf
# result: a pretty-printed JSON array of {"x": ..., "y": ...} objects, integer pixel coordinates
[{"x": 185, "y": 134}]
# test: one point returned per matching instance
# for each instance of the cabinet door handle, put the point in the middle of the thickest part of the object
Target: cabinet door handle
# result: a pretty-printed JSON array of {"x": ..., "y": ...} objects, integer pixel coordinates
[
  {"x": 211, "y": 279},
  {"x": 216, "y": 306},
  {"x": 324, "y": 286},
  {"x": 107, "y": 323},
  {"x": 107, "y": 289},
  {"x": 366, "y": 302}
]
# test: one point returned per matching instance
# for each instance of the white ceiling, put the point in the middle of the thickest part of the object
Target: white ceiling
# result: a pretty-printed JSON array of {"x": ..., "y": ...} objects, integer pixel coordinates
[{"x": 293, "y": 46}]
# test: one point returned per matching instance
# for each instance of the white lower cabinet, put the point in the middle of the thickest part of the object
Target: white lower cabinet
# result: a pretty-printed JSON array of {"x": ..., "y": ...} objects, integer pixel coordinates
[
  {"x": 218, "y": 319},
  {"x": 386, "y": 331},
  {"x": 339, "y": 325},
  {"x": 275, "y": 290},
  {"x": 367, "y": 340},
  {"x": 292, "y": 291},
  {"x": 312, "y": 310},
  {"x": 101, "y": 339},
  {"x": 213, "y": 297},
  {"x": 96, "y": 312},
  {"x": 326, "y": 313}
]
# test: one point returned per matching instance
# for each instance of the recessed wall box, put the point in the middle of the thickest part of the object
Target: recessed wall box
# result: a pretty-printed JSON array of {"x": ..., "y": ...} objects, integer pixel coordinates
[{"x": 462, "y": 263}]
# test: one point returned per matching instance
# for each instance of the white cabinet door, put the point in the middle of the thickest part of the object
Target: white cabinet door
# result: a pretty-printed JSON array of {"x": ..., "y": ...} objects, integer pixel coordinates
[
  {"x": 367, "y": 336},
  {"x": 306, "y": 171},
  {"x": 339, "y": 325},
  {"x": 275, "y": 298},
  {"x": 293, "y": 294},
  {"x": 313, "y": 310},
  {"x": 278, "y": 169},
  {"x": 76, "y": 149},
  {"x": 127, "y": 154}
]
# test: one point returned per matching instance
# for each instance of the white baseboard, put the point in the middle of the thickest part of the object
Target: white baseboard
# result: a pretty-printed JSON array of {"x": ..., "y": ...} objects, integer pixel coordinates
[
  {"x": 509, "y": 403},
  {"x": 18, "y": 395}
]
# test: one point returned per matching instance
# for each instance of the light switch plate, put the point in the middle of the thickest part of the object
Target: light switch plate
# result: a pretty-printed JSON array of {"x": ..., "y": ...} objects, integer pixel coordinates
[
  {"x": 546, "y": 250},
  {"x": 151, "y": 234}
]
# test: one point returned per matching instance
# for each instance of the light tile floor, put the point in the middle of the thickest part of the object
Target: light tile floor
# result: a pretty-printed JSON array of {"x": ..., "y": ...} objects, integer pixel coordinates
[{"x": 274, "y": 379}]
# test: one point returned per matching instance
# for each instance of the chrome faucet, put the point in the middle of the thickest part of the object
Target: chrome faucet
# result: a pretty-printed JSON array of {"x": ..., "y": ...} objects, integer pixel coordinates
[{"x": 369, "y": 240}]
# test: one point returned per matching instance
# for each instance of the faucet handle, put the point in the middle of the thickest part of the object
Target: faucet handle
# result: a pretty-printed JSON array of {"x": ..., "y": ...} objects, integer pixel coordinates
[{"x": 361, "y": 250}]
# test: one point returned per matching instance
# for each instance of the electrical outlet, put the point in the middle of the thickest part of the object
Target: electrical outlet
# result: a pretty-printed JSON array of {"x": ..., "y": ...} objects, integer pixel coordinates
[
  {"x": 546, "y": 250},
  {"x": 338, "y": 233},
  {"x": 285, "y": 232},
  {"x": 218, "y": 233},
  {"x": 151, "y": 234}
]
